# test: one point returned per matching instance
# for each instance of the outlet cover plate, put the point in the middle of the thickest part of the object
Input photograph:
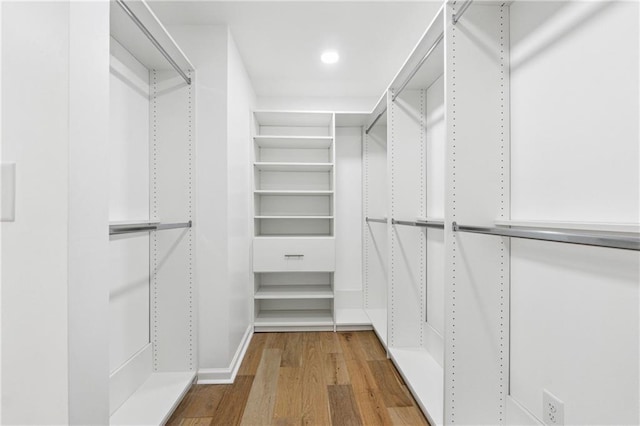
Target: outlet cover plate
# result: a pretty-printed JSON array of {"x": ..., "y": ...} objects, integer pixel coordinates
[{"x": 552, "y": 409}]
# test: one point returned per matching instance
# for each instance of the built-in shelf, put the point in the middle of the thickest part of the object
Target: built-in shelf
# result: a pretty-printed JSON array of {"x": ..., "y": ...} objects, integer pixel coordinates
[
  {"x": 346, "y": 317},
  {"x": 294, "y": 118},
  {"x": 154, "y": 401},
  {"x": 301, "y": 291},
  {"x": 295, "y": 142},
  {"x": 297, "y": 318},
  {"x": 290, "y": 192},
  {"x": 293, "y": 167},
  {"x": 424, "y": 377}
]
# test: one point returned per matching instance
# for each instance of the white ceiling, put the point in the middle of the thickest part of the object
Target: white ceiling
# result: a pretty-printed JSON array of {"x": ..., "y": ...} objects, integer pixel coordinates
[{"x": 281, "y": 41}]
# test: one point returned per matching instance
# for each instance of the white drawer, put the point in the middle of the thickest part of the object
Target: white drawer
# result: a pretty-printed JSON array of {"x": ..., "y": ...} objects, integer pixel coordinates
[{"x": 294, "y": 254}]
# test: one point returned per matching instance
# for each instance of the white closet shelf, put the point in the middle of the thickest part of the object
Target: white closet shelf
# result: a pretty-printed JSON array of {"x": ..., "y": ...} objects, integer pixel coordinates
[
  {"x": 585, "y": 226},
  {"x": 290, "y": 192},
  {"x": 352, "y": 317},
  {"x": 293, "y": 217},
  {"x": 298, "y": 318},
  {"x": 294, "y": 142},
  {"x": 425, "y": 378},
  {"x": 378, "y": 319},
  {"x": 155, "y": 401},
  {"x": 295, "y": 291},
  {"x": 294, "y": 118},
  {"x": 293, "y": 167}
]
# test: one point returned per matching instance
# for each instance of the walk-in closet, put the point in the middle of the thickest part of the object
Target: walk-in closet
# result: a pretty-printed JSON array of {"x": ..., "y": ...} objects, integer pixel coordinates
[{"x": 330, "y": 213}]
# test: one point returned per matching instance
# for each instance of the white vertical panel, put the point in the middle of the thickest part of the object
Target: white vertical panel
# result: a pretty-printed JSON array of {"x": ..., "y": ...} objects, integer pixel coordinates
[
  {"x": 575, "y": 157},
  {"x": 128, "y": 201},
  {"x": 574, "y": 330},
  {"x": 35, "y": 135},
  {"x": 407, "y": 268},
  {"x": 348, "y": 211},
  {"x": 241, "y": 100},
  {"x": 575, "y": 95},
  {"x": 172, "y": 255},
  {"x": 207, "y": 47},
  {"x": 375, "y": 205},
  {"x": 476, "y": 350},
  {"x": 88, "y": 213}
]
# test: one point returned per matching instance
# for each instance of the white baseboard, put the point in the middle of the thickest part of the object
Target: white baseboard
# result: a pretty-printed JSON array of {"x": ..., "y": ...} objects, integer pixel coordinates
[
  {"x": 518, "y": 415},
  {"x": 222, "y": 376},
  {"x": 124, "y": 381}
]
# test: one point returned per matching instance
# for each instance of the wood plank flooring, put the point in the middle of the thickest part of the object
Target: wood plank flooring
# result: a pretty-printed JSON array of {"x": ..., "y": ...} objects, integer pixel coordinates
[{"x": 319, "y": 378}]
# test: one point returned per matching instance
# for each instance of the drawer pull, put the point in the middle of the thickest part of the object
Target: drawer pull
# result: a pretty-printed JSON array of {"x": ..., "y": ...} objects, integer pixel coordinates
[{"x": 293, "y": 255}]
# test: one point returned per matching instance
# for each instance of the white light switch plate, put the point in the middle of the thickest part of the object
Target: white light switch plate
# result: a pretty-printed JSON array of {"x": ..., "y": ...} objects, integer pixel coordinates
[{"x": 8, "y": 192}]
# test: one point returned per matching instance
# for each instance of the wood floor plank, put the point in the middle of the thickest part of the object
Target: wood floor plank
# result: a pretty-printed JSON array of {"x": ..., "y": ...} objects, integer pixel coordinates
[
  {"x": 371, "y": 346},
  {"x": 350, "y": 345},
  {"x": 292, "y": 353},
  {"x": 253, "y": 355},
  {"x": 411, "y": 416},
  {"x": 180, "y": 412},
  {"x": 344, "y": 409},
  {"x": 395, "y": 393},
  {"x": 315, "y": 400},
  {"x": 288, "y": 407},
  {"x": 335, "y": 369},
  {"x": 232, "y": 405},
  {"x": 276, "y": 341},
  {"x": 200, "y": 401},
  {"x": 262, "y": 398},
  {"x": 329, "y": 342},
  {"x": 197, "y": 421},
  {"x": 372, "y": 408}
]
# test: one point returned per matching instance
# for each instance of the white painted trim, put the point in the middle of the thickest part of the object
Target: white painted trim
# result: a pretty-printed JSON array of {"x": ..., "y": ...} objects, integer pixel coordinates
[
  {"x": 518, "y": 415},
  {"x": 126, "y": 379},
  {"x": 221, "y": 376}
]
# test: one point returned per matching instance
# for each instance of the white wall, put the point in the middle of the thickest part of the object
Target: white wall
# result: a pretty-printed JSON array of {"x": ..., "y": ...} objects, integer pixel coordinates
[
  {"x": 240, "y": 104},
  {"x": 225, "y": 99},
  {"x": 206, "y": 47},
  {"x": 55, "y": 80},
  {"x": 348, "y": 221},
  {"x": 575, "y": 157},
  {"x": 317, "y": 104}
]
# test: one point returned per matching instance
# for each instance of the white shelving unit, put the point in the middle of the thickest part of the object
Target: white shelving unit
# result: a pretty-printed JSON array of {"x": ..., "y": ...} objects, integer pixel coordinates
[
  {"x": 294, "y": 176},
  {"x": 152, "y": 309}
]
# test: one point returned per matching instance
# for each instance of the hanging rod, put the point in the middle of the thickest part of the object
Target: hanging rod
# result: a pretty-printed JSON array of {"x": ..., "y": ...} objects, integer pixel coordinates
[
  {"x": 610, "y": 240},
  {"x": 153, "y": 40},
  {"x": 456, "y": 16},
  {"x": 371, "y": 219},
  {"x": 375, "y": 121},
  {"x": 417, "y": 68},
  {"x": 129, "y": 228},
  {"x": 422, "y": 223}
]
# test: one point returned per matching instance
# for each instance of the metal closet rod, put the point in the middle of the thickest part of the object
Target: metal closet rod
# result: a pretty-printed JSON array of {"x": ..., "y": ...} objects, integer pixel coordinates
[
  {"x": 417, "y": 67},
  {"x": 375, "y": 121},
  {"x": 421, "y": 223},
  {"x": 145, "y": 227},
  {"x": 371, "y": 219},
  {"x": 456, "y": 16},
  {"x": 153, "y": 40},
  {"x": 610, "y": 240}
]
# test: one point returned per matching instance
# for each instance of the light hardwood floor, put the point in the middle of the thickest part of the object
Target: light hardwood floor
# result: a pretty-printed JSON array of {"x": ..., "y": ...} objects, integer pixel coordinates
[{"x": 318, "y": 378}]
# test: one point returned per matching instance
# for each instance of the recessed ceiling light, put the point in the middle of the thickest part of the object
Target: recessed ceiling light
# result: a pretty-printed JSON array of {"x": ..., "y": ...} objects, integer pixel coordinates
[{"x": 329, "y": 57}]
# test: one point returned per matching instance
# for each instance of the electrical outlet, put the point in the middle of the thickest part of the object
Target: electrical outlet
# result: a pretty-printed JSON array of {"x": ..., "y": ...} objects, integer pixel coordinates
[{"x": 552, "y": 409}]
